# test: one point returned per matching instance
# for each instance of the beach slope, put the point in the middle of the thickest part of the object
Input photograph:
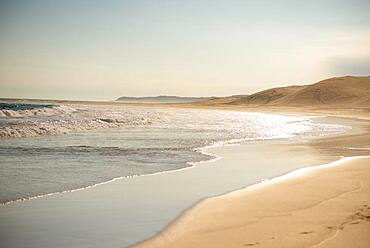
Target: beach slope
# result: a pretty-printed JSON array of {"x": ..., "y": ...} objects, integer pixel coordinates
[
  {"x": 325, "y": 206},
  {"x": 338, "y": 92}
]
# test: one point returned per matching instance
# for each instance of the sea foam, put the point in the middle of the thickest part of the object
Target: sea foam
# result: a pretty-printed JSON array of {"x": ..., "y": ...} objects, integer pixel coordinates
[{"x": 31, "y": 121}]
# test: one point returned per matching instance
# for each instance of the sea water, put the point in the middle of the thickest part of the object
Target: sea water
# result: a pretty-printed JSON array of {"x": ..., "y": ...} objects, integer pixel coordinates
[
  {"x": 132, "y": 170},
  {"x": 48, "y": 149}
]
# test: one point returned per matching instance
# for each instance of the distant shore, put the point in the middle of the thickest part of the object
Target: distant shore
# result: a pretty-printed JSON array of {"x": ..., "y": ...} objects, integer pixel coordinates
[
  {"x": 323, "y": 206},
  {"x": 326, "y": 207}
]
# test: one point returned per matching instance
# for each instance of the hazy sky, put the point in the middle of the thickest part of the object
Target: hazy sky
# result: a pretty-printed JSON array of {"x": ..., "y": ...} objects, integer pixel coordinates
[{"x": 100, "y": 49}]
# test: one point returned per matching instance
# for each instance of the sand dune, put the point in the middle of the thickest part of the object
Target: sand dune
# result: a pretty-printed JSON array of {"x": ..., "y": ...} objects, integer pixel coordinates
[
  {"x": 220, "y": 100},
  {"x": 162, "y": 99},
  {"x": 295, "y": 212},
  {"x": 349, "y": 92}
]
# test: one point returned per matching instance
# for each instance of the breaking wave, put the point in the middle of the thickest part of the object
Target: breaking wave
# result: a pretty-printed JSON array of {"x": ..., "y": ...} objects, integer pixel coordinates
[
  {"x": 30, "y": 120},
  {"x": 27, "y": 110},
  {"x": 151, "y": 140}
]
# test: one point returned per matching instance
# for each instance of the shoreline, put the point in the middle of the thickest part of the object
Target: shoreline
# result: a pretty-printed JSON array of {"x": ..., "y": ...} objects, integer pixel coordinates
[
  {"x": 202, "y": 150},
  {"x": 263, "y": 183},
  {"x": 118, "y": 205},
  {"x": 179, "y": 232}
]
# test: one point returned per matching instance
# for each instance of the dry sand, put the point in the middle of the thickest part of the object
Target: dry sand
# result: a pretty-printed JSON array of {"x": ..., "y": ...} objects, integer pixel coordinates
[
  {"x": 327, "y": 206},
  {"x": 339, "y": 96},
  {"x": 348, "y": 92}
]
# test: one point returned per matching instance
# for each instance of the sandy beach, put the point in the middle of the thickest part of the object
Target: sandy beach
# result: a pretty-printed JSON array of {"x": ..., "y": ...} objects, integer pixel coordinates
[
  {"x": 322, "y": 206},
  {"x": 194, "y": 124},
  {"x": 326, "y": 206},
  {"x": 129, "y": 210}
]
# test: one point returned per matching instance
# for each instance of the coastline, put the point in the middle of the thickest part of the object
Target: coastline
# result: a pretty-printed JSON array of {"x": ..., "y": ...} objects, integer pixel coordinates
[
  {"x": 239, "y": 218},
  {"x": 118, "y": 205},
  {"x": 270, "y": 214},
  {"x": 201, "y": 150}
]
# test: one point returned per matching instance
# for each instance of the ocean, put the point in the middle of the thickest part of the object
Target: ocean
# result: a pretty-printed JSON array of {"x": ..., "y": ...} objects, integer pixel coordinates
[
  {"x": 114, "y": 175},
  {"x": 48, "y": 149}
]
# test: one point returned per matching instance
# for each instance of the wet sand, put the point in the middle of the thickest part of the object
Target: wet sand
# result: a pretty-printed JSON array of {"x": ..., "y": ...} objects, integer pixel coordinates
[
  {"x": 126, "y": 211},
  {"x": 323, "y": 206}
]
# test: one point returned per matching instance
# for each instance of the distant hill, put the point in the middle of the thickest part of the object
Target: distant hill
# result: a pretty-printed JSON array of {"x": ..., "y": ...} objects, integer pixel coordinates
[
  {"x": 343, "y": 92},
  {"x": 221, "y": 100},
  {"x": 346, "y": 92},
  {"x": 163, "y": 99}
]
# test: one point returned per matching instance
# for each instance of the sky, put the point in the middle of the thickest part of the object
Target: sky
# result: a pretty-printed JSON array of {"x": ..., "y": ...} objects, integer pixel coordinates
[{"x": 100, "y": 50}]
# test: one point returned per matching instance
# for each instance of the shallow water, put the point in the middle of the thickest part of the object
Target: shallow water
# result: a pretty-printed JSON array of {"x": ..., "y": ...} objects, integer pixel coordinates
[
  {"x": 125, "y": 211},
  {"x": 129, "y": 210},
  {"x": 35, "y": 166}
]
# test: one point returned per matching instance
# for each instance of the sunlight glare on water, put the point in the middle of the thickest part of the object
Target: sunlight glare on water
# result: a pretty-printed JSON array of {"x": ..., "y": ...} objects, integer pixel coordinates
[{"x": 104, "y": 142}]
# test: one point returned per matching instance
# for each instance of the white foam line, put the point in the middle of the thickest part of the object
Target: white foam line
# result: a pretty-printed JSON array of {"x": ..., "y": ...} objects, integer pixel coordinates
[
  {"x": 192, "y": 165},
  {"x": 201, "y": 150},
  {"x": 359, "y": 148}
]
